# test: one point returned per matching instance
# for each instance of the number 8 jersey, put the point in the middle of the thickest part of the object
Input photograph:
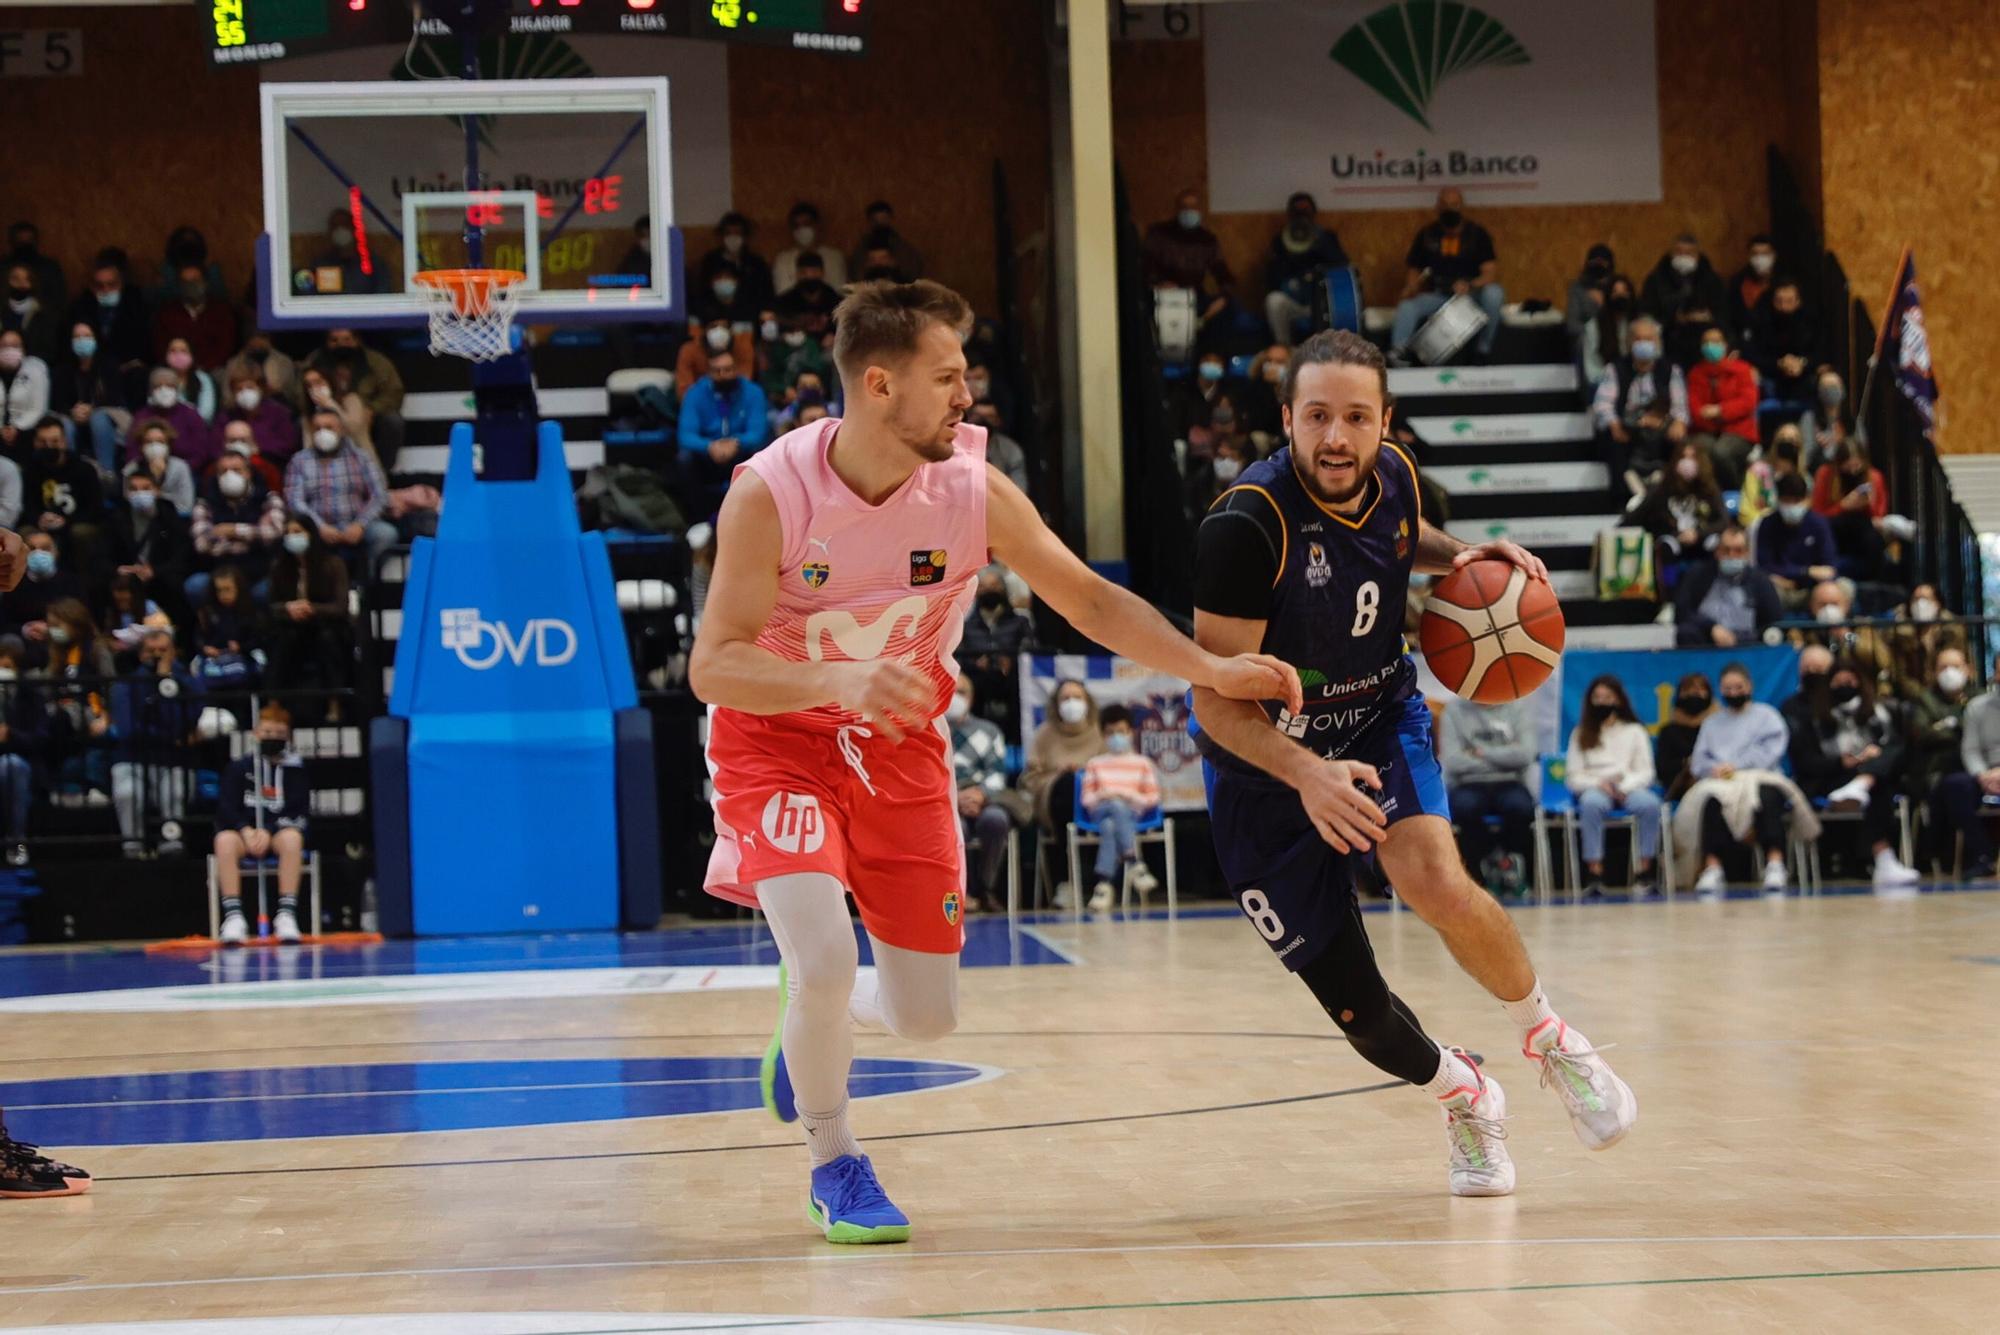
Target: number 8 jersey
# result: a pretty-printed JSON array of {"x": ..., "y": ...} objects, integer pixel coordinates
[{"x": 1331, "y": 589}]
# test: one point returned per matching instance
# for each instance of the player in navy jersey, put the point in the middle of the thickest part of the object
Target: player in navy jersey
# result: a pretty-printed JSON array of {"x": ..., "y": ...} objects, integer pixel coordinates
[{"x": 1308, "y": 558}]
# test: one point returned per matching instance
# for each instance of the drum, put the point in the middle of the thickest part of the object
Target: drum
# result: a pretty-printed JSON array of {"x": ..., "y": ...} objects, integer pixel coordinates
[
  {"x": 1176, "y": 322},
  {"x": 1343, "y": 299},
  {"x": 1455, "y": 324}
]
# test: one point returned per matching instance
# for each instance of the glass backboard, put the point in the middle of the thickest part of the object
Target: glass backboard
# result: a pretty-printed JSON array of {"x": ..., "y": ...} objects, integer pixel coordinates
[{"x": 566, "y": 180}]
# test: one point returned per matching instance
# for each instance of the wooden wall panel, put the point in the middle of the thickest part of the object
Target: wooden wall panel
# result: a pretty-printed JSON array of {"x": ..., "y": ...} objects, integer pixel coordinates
[{"x": 1911, "y": 155}]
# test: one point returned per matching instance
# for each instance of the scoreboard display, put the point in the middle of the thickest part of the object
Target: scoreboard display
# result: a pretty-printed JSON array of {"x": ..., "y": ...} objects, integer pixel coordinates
[{"x": 238, "y": 31}]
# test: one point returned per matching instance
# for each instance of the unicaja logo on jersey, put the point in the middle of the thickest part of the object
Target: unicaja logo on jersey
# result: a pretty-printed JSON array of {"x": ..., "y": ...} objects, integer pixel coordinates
[
  {"x": 481, "y": 644},
  {"x": 856, "y": 641},
  {"x": 793, "y": 823}
]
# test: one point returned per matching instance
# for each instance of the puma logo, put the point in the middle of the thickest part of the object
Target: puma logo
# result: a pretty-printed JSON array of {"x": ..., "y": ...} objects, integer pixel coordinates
[
  {"x": 824, "y": 545},
  {"x": 856, "y": 641}
]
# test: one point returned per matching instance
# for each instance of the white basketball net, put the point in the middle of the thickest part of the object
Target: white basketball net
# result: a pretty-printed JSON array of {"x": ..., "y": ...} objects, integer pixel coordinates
[{"x": 472, "y": 311}]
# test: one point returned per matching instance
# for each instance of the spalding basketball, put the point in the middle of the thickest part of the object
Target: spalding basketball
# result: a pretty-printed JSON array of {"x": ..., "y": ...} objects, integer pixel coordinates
[{"x": 1490, "y": 633}]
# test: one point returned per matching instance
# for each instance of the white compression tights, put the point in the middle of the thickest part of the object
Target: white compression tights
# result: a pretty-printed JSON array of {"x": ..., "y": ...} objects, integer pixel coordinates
[{"x": 909, "y": 993}]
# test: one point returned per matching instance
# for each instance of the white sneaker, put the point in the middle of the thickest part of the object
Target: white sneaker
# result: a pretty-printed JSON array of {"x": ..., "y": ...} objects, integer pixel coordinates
[
  {"x": 1100, "y": 898},
  {"x": 1143, "y": 879},
  {"x": 1852, "y": 791},
  {"x": 1709, "y": 884},
  {"x": 1892, "y": 879},
  {"x": 235, "y": 930},
  {"x": 1601, "y": 1106},
  {"x": 1061, "y": 898},
  {"x": 1476, "y": 1126},
  {"x": 1774, "y": 880},
  {"x": 286, "y": 928}
]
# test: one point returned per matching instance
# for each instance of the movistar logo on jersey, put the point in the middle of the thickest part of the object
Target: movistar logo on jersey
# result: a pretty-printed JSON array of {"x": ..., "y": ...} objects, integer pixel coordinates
[{"x": 1406, "y": 51}]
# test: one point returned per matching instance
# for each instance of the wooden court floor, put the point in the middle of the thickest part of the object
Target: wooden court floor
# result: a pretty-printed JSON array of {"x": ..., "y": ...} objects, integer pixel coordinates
[{"x": 1174, "y": 1141}]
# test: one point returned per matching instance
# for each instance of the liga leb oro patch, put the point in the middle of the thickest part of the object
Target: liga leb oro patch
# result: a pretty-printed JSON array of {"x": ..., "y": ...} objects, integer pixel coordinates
[{"x": 927, "y": 567}]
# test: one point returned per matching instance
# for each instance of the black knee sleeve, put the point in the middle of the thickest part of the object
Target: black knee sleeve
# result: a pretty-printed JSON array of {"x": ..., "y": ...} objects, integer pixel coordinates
[{"x": 1350, "y": 987}]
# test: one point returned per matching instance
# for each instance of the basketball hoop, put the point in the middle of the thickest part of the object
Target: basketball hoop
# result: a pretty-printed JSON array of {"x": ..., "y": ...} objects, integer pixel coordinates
[{"x": 472, "y": 310}]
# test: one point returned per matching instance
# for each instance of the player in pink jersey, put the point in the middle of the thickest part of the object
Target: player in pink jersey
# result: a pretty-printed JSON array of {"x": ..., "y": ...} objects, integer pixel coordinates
[{"x": 846, "y": 554}]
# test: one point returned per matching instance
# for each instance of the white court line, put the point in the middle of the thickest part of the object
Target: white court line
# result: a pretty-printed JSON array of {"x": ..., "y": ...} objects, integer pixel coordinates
[
  {"x": 886, "y": 1256},
  {"x": 1041, "y": 939}
]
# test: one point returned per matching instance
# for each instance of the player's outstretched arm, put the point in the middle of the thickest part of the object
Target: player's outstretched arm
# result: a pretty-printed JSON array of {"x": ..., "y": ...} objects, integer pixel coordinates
[
  {"x": 1117, "y": 618},
  {"x": 729, "y": 668},
  {"x": 1438, "y": 553}
]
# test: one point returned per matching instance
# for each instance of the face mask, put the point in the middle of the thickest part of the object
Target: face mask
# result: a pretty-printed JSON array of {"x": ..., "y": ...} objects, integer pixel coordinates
[
  {"x": 1831, "y": 394},
  {"x": 41, "y": 564},
  {"x": 1687, "y": 470},
  {"x": 795, "y": 338},
  {"x": 1924, "y": 609},
  {"x": 59, "y": 634},
  {"x": 238, "y": 446},
  {"x": 1735, "y": 699},
  {"x": 1645, "y": 350},
  {"x": 1761, "y": 264},
  {"x": 718, "y": 339},
  {"x": 10, "y": 358},
  {"x": 155, "y": 451},
  {"x": 1118, "y": 743},
  {"x": 1211, "y": 371},
  {"x": 1713, "y": 352},
  {"x": 1072, "y": 710},
  {"x": 769, "y": 331},
  {"x": 1189, "y": 219},
  {"x": 1952, "y": 680},
  {"x": 297, "y": 543},
  {"x": 1621, "y": 301},
  {"x": 194, "y": 293},
  {"x": 1846, "y": 697},
  {"x": 164, "y": 396},
  {"x": 810, "y": 395},
  {"x": 232, "y": 484},
  {"x": 804, "y": 236},
  {"x": 725, "y": 291},
  {"x": 1792, "y": 514},
  {"x": 957, "y": 710},
  {"x": 992, "y": 599},
  {"x": 84, "y": 348},
  {"x": 109, "y": 299},
  {"x": 733, "y": 244},
  {"x": 248, "y": 397},
  {"x": 1813, "y": 681},
  {"x": 1684, "y": 264},
  {"x": 142, "y": 502},
  {"x": 20, "y": 299},
  {"x": 1732, "y": 567},
  {"x": 342, "y": 237},
  {"x": 1601, "y": 709},
  {"x": 9, "y": 674},
  {"x": 326, "y": 441},
  {"x": 1228, "y": 470},
  {"x": 1690, "y": 704},
  {"x": 1223, "y": 417},
  {"x": 1830, "y": 615},
  {"x": 1450, "y": 217},
  {"x": 271, "y": 747}
]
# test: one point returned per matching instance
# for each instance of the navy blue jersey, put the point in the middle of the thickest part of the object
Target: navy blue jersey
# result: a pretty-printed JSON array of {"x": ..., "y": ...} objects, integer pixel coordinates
[{"x": 1330, "y": 588}]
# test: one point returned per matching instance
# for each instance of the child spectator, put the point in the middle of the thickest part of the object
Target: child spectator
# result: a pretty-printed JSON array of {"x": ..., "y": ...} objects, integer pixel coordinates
[
  {"x": 225, "y": 632},
  {"x": 261, "y": 809},
  {"x": 1119, "y": 787},
  {"x": 79, "y": 664}
]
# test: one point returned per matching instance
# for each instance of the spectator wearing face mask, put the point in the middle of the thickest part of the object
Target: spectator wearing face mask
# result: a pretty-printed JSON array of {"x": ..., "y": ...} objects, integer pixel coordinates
[
  {"x": 1609, "y": 767},
  {"x": 170, "y": 474},
  {"x": 1488, "y": 753},
  {"x": 1179, "y": 252},
  {"x": 1608, "y": 337},
  {"x": 803, "y": 226},
  {"x": 1300, "y": 257},
  {"x": 1002, "y": 450},
  {"x": 705, "y": 341},
  {"x": 272, "y": 423},
  {"x": 1958, "y": 798},
  {"x": 1722, "y": 407},
  {"x": 1686, "y": 295},
  {"x": 1784, "y": 346},
  {"x": 23, "y": 742},
  {"x": 198, "y": 315},
  {"x": 732, "y": 251},
  {"x": 1739, "y": 794},
  {"x": 1452, "y": 256},
  {"x": 77, "y": 668},
  {"x": 1847, "y": 633},
  {"x": 185, "y": 248},
  {"x": 240, "y": 440},
  {"x": 1673, "y": 746},
  {"x": 979, "y": 767},
  {"x": 1058, "y": 750},
  {"x": 1848, "y": 748},
  {"x": 24, "y": 609},
  {"x": 24, "y": 390},
  {"x": 340, "y": 492},
  {"x": 37, "y": 320},
  {"x": 1794, "y": 545},
  {"x": 881, "y": 234},
  {"x": 1937, "y": 736},
  {"x": 1120, "y": 788},
  {"x": 89, "y": 392},
  {"x": 148, "y": 539},
  {"x": 1828, "y": 421},
  {"x": 809, "y": 303},
  {"x": 806, "y": 402},
  {"x": 62, "y": 495},
  {"x": 1750, "y": 286},
  {"x": 154, "y": 710},
  {"x": 195, "y": 386},
  {"x": 309, "y": 629},
  {"x": 275, "y": 372},
  {"x": 725, "y": 296},
  {"x": 189, "y": 436},
  {"x": 800, "y": 355},
  {"x": 1854, "y": 498},
  {"x": 1759, "y": 496},
  {"x": 117, "y": 314},
  {"x": 1725, "y": 602},
  {"x": 263, "y": 805},
  {"x": 351, "y": 255},
  {"x": 990, "y": 646},
  {"x": 1588, "y": 292},
  {"x": 1196, "y": 400},
  {"x": 45, "y": 275},
  {"x": 321, "y": 395},
  {"x": 1923, "y": 628},
  {"x": 1684, "y": 511},
  {"x": 1640, "y": 410},
  {"x": 127, "y": 617},
  {"x": 1208, "y": 479},
  {"x": 351, "y": 366},
  {"x": 227, "y": 640},
  {"x": 724, "y": 419}
]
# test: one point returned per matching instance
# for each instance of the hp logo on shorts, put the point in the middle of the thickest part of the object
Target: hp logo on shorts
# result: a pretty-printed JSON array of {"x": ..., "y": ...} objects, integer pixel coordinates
[
  {"x": 793, "y": 823},
  {"x": 481, "y": 644}
]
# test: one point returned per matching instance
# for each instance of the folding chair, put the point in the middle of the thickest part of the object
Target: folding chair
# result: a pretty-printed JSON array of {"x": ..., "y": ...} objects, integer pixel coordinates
[
  {"x": 1156, "y": 827},
  {"x": 1558, "y": 801},
  {"x": 259, "y": 867},
  {"x": 1807, "y": 854}
]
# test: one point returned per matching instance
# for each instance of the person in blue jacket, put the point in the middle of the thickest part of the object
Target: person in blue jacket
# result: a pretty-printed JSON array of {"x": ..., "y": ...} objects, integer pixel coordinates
[{"x": 724, "y": 420}]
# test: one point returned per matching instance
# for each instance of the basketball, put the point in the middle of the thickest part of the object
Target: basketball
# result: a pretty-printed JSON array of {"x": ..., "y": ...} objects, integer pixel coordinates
[{"x": 1490, "y": 633}]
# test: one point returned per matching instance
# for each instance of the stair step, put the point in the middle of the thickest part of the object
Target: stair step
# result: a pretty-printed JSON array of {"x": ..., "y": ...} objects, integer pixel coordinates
[
  {"x": 1534, "y": 532},
  {"x": 1443, "y": 433},
  {"x": 1503, "y": 479},
  {"x": 1427, "y": 381}
]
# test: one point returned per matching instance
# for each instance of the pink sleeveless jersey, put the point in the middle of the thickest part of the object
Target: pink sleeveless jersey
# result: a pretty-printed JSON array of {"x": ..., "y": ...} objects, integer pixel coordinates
[{"x": 859, "y": 581}]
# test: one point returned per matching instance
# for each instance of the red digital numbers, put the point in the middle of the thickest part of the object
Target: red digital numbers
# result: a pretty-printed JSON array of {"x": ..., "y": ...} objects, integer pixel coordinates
[{"x": 600, "y": 194}]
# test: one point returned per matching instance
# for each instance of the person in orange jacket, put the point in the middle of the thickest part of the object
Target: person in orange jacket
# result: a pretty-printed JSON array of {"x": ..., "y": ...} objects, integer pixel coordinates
[
  {"x": 1854, "y": 497},
  {"x": 1722, "y": 406}
]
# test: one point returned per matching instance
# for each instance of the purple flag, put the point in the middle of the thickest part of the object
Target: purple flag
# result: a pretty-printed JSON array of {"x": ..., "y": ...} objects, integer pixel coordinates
[{"x": 1904, "y": 338}]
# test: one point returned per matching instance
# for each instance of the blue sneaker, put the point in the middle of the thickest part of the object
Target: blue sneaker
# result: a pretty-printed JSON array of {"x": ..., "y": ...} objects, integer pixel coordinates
[
  {"x": 847, "y": 1204},
  {"x": 773, "y": 1080}
]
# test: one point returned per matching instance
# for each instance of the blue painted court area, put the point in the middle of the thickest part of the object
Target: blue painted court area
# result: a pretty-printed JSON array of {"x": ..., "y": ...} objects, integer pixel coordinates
[{"x": 187, "y": 1107}]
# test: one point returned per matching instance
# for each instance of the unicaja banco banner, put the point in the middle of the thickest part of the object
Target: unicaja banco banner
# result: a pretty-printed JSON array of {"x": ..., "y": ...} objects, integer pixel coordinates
[{"x": 1379, "y": 106}]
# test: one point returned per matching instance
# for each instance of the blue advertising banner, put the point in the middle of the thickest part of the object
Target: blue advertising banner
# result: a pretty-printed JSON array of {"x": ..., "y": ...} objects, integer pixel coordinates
[{"x": 1650, "y": 676}]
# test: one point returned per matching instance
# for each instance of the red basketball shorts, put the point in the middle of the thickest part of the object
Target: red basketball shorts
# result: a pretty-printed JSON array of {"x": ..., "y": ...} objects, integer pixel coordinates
[{"x": 879, "y": 817}]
